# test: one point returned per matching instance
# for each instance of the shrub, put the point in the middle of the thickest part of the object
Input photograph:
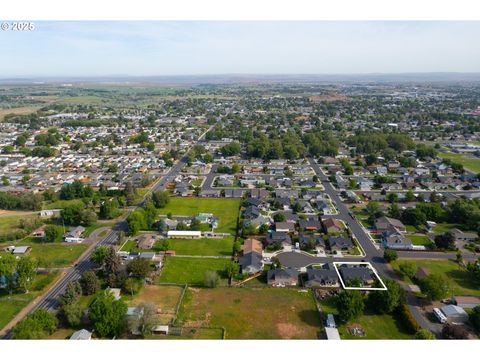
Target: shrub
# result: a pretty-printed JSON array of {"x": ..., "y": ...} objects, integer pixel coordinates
[{"x": 408, "y": 320}]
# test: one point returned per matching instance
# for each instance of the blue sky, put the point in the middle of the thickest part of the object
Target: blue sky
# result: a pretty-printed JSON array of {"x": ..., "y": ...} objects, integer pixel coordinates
[{"x": 186, "y": 47}]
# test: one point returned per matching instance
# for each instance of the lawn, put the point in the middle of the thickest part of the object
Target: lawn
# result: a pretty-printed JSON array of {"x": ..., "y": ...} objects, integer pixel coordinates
[
  {"x": 206, "y": 247},
  {"x": 225, "y": 209},
  {"x": 54, "y": 255},
  {"x": 461, "y": 283},
  {"x": 247, "y": 313},
  {"x": 375, "y": 326},
  {"x": 191, "y": 270},
  {"x": 61, "y": 204},
  {"x": 467, "y": 160},
  {"x": 11, "y": 223},
  {"x": 420, "y": 240},
  {"x": 443, "y": 227},
  {"x": 11, "y": 305}
]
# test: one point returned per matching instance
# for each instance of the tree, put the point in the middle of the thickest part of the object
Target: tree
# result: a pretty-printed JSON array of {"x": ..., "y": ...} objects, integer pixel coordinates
[
  {"x": 385, "y": 302},
  {"x": 408, "y": 269},
  {"x": 445, "y": 241},
  {"x": 211, "y": 279},
  {"x": 409, "y": 196},
  {"x": 37, "y": 325},
  {"x": 390, "y": 255},
  {"x": 99, "y": 255},
  {"x": 232, "y": 269},
  {"x": 279, "y": 217},
  {"x": 53, "y": 233},
  {"x": 89, "y": 282},
  {"x": 435, "y": 286},
  {"x": 392, "y": 198},
  {"x": 8, "y": 266},
  {"x": 373, "y": 210},
  {"x": 350, "y": 304},
  {"x": 475, "y": 318},
  {"x": 456, "y": 332},
  {"x": 71, "y": 294},
  {"x": 235, "y": 168},
  {"x": 138, "y": 268},
  {"x": 26, "y": 267},
  {"x": 160, "y": 199},
  {"x": 132, "y": 286},
  {"x": 413, "y": 216},
  {"x": 87, "y": 217},
  {"x": 111, "y": 262},
  {"x": 108, "y": 315},
  {"x": 72, "y": 314},
  {"x": 144, "y": 322}
]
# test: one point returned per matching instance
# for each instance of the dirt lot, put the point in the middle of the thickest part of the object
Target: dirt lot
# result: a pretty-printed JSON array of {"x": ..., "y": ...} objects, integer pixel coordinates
[{"x": 253, "y": 313}]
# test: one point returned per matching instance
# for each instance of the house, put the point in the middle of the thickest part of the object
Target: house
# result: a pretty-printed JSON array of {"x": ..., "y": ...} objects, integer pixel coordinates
[
  {"x": 356, "y": 273},
  {"x": 459, "y": 235},
  {"x": 332, "y": 225},
  {"x": 282, "y": 277},
  {"x": 146, "y": 241},
  {"x": 310, "y": 224},
  {"x": 74, "y": 235},
  {"x": 259, "y": 193},
  {"x": 257, "y": 222},
  {"x": 81, "y": 335},
  {"x": 308, "y": 241},
  {"x": 251, "y": 212},
  {"x": 251, "y": 262},
  {"x": 466, "y": 302},
  {"x": 326, "y": 276},
  {"x": 454, "y": 314},
  {"x": 396, "y": 240},
  {"x": 285, "y": 226},
  {"x": 252, "y": 244},
  {"x": 184, "y": 234},
  {"x": 170, "y": 223},
  {"x": 385, "y": 223},
  {"x": 277, "y": 238},
  {"x": 340, "y": 243},
  {"x": 234, "y": 193}
]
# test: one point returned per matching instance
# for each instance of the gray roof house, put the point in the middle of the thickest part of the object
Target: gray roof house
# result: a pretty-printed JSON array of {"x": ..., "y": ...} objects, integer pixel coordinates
[{"x": 251, "y": 263}]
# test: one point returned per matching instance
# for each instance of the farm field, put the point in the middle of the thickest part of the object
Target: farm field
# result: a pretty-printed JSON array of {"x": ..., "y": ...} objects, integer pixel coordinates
[
  {"x": 225, "y": 209},
  {"x": 375, "y": 326},
  {"x": 191, "y": 270},
  {"x": 468, "y": 161},
  {"x": 461, "y": 283},
  {"x": 253, "y": 313},
  {"x": 54, "y": 255},
  {"x": 24, "y": 110}
]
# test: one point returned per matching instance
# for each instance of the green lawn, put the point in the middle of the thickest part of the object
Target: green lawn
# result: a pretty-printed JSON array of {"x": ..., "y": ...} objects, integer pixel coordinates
[
  {"x": 11, "y": 305},
  {"x": 54, "y": 255},
  {"x": 248, "y": 313},
  {"x": 420, "y": 240},
  {"x": 191, "y": 270},
  {"x": 60, "y": 204},
  {"x": 443, "y": 227},
  {"x": 460, "y": 281},
  {"x": 469, "y": 162},
  {"x": 11, "y": 223},
  {"x": 375, "y": 326},
  {"x": 206, "y": 247},
  {"x": 225, "y": 209}
]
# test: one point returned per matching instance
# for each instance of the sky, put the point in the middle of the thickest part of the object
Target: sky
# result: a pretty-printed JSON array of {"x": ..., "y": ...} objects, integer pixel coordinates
[{"x": 197, "y": 48}]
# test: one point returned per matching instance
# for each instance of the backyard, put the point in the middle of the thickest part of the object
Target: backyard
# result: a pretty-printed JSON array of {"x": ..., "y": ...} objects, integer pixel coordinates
[{"x": 253, "y": 313}]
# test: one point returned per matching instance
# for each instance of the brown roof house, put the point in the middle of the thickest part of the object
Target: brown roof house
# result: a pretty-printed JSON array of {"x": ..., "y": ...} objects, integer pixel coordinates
[
  {"x": 250, "y": 245},
  {"x": 332, "y": 225},
  {"x": 389, "y": 224},
  {"x": 146, "y": 241}
]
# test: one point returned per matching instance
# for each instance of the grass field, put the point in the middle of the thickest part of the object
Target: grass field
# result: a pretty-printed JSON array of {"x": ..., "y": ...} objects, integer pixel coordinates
[
  {"x": 60, "y": 204},
  {"x": 443, "y": 227},
  {"x": 253, "y": 313},
  {"x": 206, "y": 247},
  {"x": 468, "y": 161},
  {"x": 460, "y": 281},
  {"x": 11, "y": 223},
  {"x": 18, "y": 111},
  {"x": 54, "y": 255},
  {"x": 190, "y": 270},
  {"x": 225, "y": 209},
  {"x": 11, "y": 305},
  {"x": 420, "y": 240},
  {"x": 375, "y": 326}
]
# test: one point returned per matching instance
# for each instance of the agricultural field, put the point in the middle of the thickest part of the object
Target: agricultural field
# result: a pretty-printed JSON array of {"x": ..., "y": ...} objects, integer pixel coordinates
[
  {"x": 460, "y": 281},
  {"x": 469, "y": 162},
  {"x": 253, "y": 313},
  {"x": 11, "y": 305},
  {"x": 11, "y": 223},
  {"x": 191, "y": 270},
  {"x": 225, "y": 209},
  {"x": 53, "y": 255},
  {"x": 375, "y": 326}
]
